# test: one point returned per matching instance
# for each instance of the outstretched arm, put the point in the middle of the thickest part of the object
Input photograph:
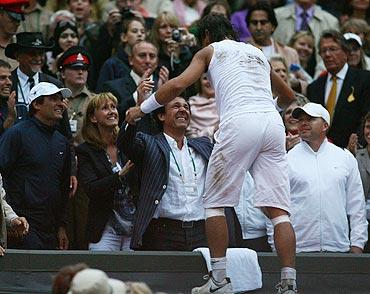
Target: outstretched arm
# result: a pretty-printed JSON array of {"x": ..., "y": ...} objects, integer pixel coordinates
[
  {"x": 173, "y": 87},
  {"x": 284, "y": 92}
]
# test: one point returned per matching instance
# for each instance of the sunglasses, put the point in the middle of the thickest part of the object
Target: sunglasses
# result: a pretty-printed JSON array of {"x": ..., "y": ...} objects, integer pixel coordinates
[{"x": 66, "y": 23}]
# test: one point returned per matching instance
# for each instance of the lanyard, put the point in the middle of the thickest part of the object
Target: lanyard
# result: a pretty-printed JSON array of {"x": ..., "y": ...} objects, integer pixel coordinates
[{"x": 178, "y": 166}]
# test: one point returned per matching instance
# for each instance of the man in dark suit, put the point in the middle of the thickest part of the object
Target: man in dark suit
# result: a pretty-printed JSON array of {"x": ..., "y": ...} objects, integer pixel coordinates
[
  {"x": 144, "y": 64},
  {"x": 344, "y": 91},
  {"x": 170, "y": 213},
  {"x": 29, "y": 51}
]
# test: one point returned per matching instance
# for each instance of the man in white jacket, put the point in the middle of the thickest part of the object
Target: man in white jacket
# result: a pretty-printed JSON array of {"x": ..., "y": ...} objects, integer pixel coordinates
[{"x": 327, "y": 200}]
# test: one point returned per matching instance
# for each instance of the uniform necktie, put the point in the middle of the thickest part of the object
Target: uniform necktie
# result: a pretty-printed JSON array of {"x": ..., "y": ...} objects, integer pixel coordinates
[
  {"x": 304, "y": 24},
  {"x": 330, "y": 104},
  {"x": 31, "y": 81}
]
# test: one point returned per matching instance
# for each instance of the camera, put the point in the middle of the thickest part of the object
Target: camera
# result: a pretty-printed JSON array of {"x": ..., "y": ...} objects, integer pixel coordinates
[{"x": 176, "y": 35}]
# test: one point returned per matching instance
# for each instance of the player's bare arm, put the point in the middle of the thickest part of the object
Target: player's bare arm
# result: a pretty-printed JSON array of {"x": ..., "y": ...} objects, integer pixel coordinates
[{"x": 174, "y": 87}]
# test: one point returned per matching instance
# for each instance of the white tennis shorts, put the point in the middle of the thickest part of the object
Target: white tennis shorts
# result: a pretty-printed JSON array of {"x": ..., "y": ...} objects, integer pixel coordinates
[{"x": 254, "y": 142}]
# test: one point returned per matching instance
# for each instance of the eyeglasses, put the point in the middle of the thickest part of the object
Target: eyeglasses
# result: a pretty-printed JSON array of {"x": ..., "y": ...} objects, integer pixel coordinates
[
  {"x": 262, "y": 22},
  {"x": 330, "y": 50}
]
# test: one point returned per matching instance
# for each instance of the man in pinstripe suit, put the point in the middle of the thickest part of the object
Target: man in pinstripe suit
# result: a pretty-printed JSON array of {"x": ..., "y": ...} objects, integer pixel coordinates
[{"x": 170, "y": 213}]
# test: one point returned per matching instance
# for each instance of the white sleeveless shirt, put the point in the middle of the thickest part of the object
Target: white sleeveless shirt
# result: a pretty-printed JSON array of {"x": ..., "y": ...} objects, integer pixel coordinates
[{"x": 240, "y": 75}]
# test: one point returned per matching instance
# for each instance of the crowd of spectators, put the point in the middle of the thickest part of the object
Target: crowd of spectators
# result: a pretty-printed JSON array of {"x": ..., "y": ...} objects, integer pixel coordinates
[{"x": 76, "y": 176}]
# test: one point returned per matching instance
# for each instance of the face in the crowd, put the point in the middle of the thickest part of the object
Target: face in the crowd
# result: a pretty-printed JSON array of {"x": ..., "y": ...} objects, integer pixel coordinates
[
  {"x": 106, "y": 115},
  {"x": 134, "y": 34},
  {"x": 291, "y": 124},
  {"x": 165, "y": 31},
  {"x": 206, "y": 88},
  {"x": 75, "y": 76},
  {"x": 80, "y": 8},
  {"x": 360, "y": 4},
  {"x": 131, "y": 4},
  {"x": 311, "y": 128},
  {"x": 359, "y": 33},
  {"x": 261, "y": 28},
  {"x": 305, "y": 4},
  {"x": 176, "y": 116},
  {"x": 354, "y": 54},
  {"x": 31, "y": 61},
  {"x": 304, "y": 47},
  {"x": 144, "y": 57},
  {"x": 5, "y": 82},
  {"x": 67, "y": 39},
  {"x": 280, "y": 69},
  {"x": 8, "y": 25},
  {"x": 367, "y": 132},
  {"x": 219, "y": 10},
  {"x": 333, "y": 55},
  {"x": 50, "y": 110}
]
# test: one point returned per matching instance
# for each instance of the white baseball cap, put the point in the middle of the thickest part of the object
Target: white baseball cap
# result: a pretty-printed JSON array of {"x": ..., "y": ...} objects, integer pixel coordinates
[
  {"x": 46, "y": 89},
  {"x": 91, "y": 281},
  {"x": 351, "y": 36},
  {"x": 314, "y": 110}
]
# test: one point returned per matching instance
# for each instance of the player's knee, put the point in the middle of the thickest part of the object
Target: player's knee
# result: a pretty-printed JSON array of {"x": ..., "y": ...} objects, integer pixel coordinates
[
  {"x": 211, "y": 212},
  {"x": 280, "y": 219}
]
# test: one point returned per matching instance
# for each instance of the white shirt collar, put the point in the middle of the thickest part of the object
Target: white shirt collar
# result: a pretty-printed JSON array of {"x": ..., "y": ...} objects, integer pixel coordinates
[
  {"x": 172, "y": 142},
  {"x": 136, "y": 77},
  {"x": 341, "y": 74}
]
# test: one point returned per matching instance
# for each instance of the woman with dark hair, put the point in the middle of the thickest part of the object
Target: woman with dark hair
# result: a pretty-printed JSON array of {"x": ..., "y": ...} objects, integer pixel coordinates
[
  {"x": 359, "y": 9},
  {"x": 117, "y": 66},
  {"x": 363, "y": 159},
  {"x": 65, "y": 37},
  {"x": 102, "y": 174},
  {"x": 220, "y": 7}
]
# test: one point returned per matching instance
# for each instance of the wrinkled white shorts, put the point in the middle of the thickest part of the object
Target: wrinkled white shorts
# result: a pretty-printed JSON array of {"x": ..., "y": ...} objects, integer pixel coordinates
[{"x": 254, "y": 142}]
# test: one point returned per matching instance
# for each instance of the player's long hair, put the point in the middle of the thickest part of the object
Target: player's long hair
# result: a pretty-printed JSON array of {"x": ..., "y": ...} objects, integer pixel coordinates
[{"x": 217, "y": 28}]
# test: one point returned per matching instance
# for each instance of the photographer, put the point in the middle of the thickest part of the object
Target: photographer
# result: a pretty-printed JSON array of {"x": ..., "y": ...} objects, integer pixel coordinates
[{"x": 172, "y": 42}]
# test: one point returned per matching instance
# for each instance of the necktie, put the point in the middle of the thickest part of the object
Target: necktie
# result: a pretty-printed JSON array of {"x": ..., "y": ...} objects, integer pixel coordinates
[
  {"x": 31, "y": 81},
  {"x": 304, "y": 24},
  {"x": 330, "y": 104}
]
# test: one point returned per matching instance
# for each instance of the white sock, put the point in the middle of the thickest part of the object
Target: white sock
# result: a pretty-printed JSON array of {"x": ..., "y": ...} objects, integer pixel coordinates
[
  {"x": 288, "y": 274},
  {"x": 218, "y": 266}
]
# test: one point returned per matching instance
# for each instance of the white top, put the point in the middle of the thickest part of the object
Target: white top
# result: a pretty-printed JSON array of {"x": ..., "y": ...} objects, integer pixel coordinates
[
  {"x": 240, "y": 75},
  {"x": 183, "y": 197},
  {"x": 326, "y": 189},
  {"x": 24, "y": 86}
]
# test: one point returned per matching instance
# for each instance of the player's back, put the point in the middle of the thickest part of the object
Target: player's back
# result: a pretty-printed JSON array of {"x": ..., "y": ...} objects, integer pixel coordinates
[{"x": 240, "y": 75}]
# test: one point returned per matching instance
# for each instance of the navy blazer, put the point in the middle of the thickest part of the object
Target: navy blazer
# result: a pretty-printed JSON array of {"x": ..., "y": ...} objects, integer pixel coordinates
[
  {"x": 353, "y": 103},
  {"x": 151, "y": 156}
]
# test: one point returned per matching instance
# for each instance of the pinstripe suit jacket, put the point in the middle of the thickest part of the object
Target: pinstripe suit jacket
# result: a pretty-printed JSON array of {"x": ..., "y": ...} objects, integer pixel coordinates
[{"x": 151, "y": 155}]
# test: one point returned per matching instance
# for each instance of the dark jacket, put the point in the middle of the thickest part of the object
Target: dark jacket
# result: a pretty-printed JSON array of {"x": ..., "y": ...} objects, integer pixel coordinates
[
  {"x": 114, "y": 68},
  {"x": 353, "y": 103},
  {"x": 151, "y": 156},
  {"x": 35, "y": 165},
  {"x": 100, "y": 184}
]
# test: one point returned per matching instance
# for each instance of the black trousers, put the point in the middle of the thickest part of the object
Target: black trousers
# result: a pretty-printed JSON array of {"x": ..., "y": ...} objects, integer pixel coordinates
[{"x": 165, "y": 234}]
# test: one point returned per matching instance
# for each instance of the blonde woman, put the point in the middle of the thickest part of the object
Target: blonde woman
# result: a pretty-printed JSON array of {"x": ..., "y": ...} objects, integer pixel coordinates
[{"x": 101, "y": 171}]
